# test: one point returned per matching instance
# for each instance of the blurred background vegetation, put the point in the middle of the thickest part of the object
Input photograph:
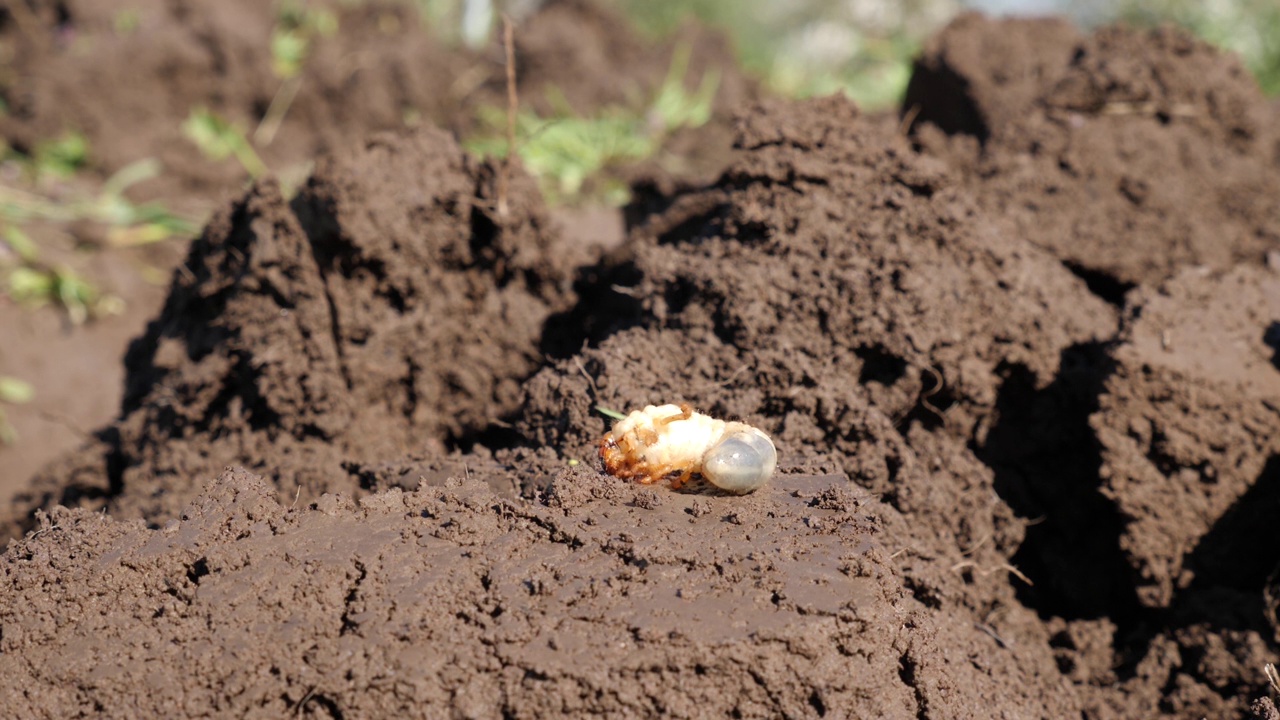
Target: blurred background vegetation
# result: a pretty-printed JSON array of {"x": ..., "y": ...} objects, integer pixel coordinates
[{"x": 864, "y": 47}]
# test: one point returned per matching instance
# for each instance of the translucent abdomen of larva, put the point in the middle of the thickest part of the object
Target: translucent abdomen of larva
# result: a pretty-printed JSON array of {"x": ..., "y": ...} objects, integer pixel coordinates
[{"x": 742, "y": 461}]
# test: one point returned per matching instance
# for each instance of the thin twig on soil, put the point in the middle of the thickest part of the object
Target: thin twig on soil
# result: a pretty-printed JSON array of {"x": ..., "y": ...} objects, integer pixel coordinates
[
  {"x": 595, "y": 393},
  {"x": 513, "y": 106},
  {"x": 940, "y": 381},
  {"x": 273, "y": 118},
  {"x": 297, "y": 709},
  {"x": 994, "y": 635},
  {"x": 732, "y": 377},
  {"x": 42, "y": 531},
  {"x": 65, "y": 422},
  {"x": 1013, "y": 570},
  {"x": 1273, "y": 677},
  {"x": 988, "y": 571},
  {"x": 976, "y": 545},
  {"x": 908, "y": 119},
  {"x": 1148, "y": 109}
]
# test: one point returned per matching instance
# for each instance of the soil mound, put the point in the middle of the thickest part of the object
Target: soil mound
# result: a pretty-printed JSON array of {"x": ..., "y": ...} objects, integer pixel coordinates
[
  {"x": 830, "y": 268},
  {"x": 1128, "y": 154},
  {"x": 1140, "y": 159},
  {"x": 1190, "y": 430},
  {"x": 389, "y": 308},
  {"x": 847, "y": 295},
  {"x": 830, "y": 254},
  {"x": 385, "y": 67}
]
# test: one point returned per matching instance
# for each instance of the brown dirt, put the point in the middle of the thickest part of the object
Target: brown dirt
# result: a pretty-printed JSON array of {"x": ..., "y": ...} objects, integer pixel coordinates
[
  {"x": 1129, "y": 154},
  {"x": 1006, "y": 488},
  {"x": 76, "y": 372},
  {"x": 388, "y": 308},
  {"x": 383, "y": 70},
  {"x": 1190, "y": 430}
]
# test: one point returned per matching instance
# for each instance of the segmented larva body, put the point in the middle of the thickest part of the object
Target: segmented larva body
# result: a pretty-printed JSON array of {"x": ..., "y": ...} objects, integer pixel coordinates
[{"x": 659, "y": 441}]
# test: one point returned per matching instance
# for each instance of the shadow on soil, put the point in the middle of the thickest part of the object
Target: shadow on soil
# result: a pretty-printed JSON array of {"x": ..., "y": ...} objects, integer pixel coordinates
[{"x": 1046, "y": 462}]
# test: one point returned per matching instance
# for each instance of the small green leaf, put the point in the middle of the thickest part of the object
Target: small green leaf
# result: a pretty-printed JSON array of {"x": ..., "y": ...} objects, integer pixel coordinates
[
  {"x": 131, "y": 174},
  {"x": 62, "y": 156},
  {"x": 126, "y": 21},
  {"x": 219, "y": 139},
  {"x": 288, "y": 51},
  {"x": 30, "y": 286},
  {"x": 15, "y": 391},
  {"x": 20, "y": 243},
  {"x": 609, "y": 413}
]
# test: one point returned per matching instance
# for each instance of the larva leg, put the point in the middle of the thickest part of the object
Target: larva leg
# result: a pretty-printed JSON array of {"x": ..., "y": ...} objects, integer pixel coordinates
[
  {"x": 646, "y": 437},
  {"x": 647, "y": 474},
  {"x": 686, "y": 412},
  {"x": 683, "y": 478}
]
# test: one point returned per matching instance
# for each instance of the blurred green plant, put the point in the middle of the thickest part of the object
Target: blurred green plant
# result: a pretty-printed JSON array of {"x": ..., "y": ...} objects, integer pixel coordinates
[
  {"x": 675, "y": 107},
  {"x": 563, "y": 152},
  {"x": 126, "y": 20},
  {"x": 130, "y": 223},
  {"x": 569, "y": 154},
  {"x": 865, "y": 48},
  {"x": 297, "y": 27},
  {"x": 60, "y": 157},
  {"x": 811, "y": 47},
  {"x": 457, "y": 21},
  {"x": 12, "y": 392},
  {"x": 50, "y": 160},
  {"x": 30, "y": 282},
  {"x": 24, "y": 275},
  {"x": 219, "y": 139}
]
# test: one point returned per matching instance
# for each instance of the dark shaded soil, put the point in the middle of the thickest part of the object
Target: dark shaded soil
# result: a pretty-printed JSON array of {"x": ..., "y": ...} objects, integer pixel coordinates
[{"x": 1007, "y": 486}]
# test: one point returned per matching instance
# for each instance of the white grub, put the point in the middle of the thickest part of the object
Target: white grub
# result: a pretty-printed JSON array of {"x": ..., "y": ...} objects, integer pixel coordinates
[{"x": 663, "y": 441}]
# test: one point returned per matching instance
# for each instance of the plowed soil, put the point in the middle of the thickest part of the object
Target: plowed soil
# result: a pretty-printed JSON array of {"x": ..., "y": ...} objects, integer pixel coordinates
[{"x": 1017, "y": 349}]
